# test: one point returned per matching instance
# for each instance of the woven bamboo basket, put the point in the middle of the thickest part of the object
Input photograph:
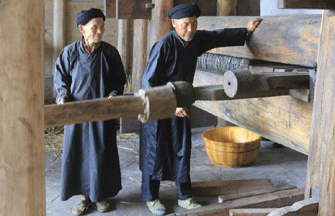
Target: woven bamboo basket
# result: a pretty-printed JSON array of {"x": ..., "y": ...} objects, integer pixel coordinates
[{"x": 231, "y": 146}]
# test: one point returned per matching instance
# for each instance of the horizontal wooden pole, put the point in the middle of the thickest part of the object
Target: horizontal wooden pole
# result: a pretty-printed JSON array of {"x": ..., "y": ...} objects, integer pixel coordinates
[
  {"x": 242, "y": 84},
  {"x": 283, "y": 119},
  {"x": 289, "y": 39},
  {"x": 93, "y": 110}
]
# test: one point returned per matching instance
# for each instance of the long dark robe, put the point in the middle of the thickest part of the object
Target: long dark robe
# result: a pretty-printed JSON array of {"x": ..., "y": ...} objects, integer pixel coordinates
[
  {"x": 90, "y": 163},
  {"x": 165, "y": 145}
]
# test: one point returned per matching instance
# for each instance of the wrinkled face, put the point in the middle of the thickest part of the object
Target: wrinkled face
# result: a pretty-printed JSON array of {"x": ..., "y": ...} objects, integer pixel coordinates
[
  {"x": 93, "y": 30},
  {"x": 185, "y": 27}
]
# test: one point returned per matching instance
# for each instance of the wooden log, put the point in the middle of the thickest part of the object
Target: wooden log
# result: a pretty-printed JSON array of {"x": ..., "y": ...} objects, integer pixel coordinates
[
  {"x": 226, "y": 7},
  {"x": 289, "y": 39},
  {"x": 242, "y": 84},
  {"x": 306, "y": 4},
  {"x": 150, "y": 104},
  {"x": 250, "y": 212},
  {"x": 214, "y": 188},
  {"x": 22, "y": 162},
  {"x": 93, "y": 110},
  {"x": 238, "y": 195},
  {"x": 307, "y": 207},
  {"x": 283, "y": 119},
  {"x": 271, "y": 200},
  {"x": 140, "y": 50},
  {"x": 321, "y": 168}
]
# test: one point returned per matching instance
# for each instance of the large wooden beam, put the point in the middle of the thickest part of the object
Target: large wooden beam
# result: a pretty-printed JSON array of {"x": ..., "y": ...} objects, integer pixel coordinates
[
  {"x": 282, "y": 119},
  {"x": 22, "y": 165},
  {"x": 306, "y": 4},
  {"x": 321, "y": 159},
  {"x": 289, "y": 39}
]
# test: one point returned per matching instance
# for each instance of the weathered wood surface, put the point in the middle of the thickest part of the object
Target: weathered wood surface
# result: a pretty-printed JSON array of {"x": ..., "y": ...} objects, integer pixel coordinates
[
  {"x": 160, "y": 23},
  {"x": 208, "y": 7},
  {"x": 244, "y": 194},
  {"x": 124, "y": 47},
  {"x": 282, "y": 119},
  {"x": 226, "y": 7},
  {"x": 110, "y": 8},
  {"x": 250, "y": 212},
  {"x": 59, "y": 27},
  {"x": 271, "y": 200},
  {"x": 93, "y": 110},
  {"x": 133, "y": 9},
  {"x": 307, "y": 207},
  {"x": 214, "y": 188},
  {"x": 140, "y": 50},
  {"x": 306, "y": 4},
  {"x": 22, "y": 165},
  {"x": 321, "y": 167},
  {"x": 289, "y": 39}
]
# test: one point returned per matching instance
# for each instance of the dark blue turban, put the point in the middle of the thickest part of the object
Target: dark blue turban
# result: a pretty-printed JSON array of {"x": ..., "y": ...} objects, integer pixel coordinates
[
  {"x": 84, "y": 16},
  {"x": 185, "y": 10}
]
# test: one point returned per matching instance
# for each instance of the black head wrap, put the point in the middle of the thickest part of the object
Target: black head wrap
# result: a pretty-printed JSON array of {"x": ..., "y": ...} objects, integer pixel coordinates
[
  {"x": 184, "y": 10},
  {"x": 84, "y": 16}
]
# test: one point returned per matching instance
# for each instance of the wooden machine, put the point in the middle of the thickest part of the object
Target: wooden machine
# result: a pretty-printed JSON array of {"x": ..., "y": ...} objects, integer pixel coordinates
[{"x": 283, "y": 105}]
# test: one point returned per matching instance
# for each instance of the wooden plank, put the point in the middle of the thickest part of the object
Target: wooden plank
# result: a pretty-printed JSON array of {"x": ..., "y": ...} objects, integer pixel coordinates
[
  {"x": 208, "y": 8},
  {"x": 321, "y": 167},
  {"x": 289, "y": 39},
  {"x": 224, "y": 198},
  {"x": 306, "y": 4},
  {"x": 133, "y": 9},
  {"x": 283, "y": 119},
  {"x": 272, "y": 200},
  {"x": 110, "y": 8},
  {"x": 250, "y": 212},
  {"x": 214, "y": 188},
  {"x": 307, "y": 207},
  {"x": 22, "y": 162}
]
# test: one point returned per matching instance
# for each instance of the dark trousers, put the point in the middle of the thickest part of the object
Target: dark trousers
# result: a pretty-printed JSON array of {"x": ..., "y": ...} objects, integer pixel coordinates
[{"x": 150, "y": 189}]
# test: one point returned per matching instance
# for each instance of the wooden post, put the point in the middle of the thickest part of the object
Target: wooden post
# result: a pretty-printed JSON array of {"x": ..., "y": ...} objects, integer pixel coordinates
[
  {"x": 59, "y": 27},
  {"x": 321, "y": 169},
  {"x": 226, "y": 7},
  {"x": 140, "y": 50},
  {"x": 124, "y": 47},
  {"x": 22, "y": 163},
  {"x": 160, "y": 23}
]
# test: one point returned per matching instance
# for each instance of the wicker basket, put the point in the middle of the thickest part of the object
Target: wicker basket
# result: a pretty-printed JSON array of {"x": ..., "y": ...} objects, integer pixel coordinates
[{"x": 231, "y": 146}]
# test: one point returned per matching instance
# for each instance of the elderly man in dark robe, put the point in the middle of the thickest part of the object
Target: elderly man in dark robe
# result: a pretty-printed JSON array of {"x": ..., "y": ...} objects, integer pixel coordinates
[
  {"x": 165, "y": 145},
  {"x": 88, "y": 69}
]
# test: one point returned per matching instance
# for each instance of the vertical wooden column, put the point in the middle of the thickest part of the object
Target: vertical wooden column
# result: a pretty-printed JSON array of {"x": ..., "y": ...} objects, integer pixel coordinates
[
  {"x": 321, "y": 160},
  {"x": 160, "y": 23},
  {"x": 226, "y": 7},
  {"x": 22, "y": 164},
  {"x": 140, "y": 52},
  {"x": 124, "y": 47},
  {"x": 59, "y": 27}
]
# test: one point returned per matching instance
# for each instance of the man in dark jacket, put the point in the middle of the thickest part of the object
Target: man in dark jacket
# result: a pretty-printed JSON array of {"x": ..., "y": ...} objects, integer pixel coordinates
[
  {"x": 165, "y": 145},
  {"x": 89, "y": 69}
]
